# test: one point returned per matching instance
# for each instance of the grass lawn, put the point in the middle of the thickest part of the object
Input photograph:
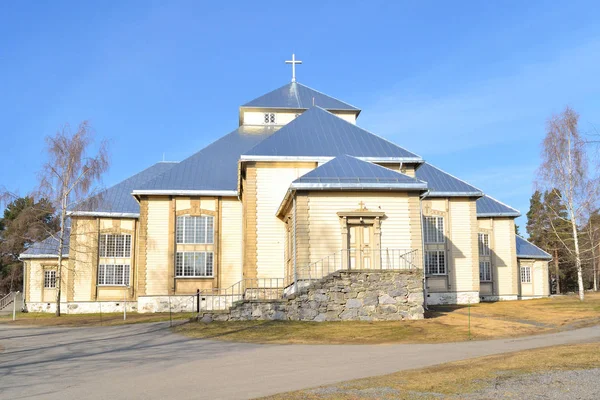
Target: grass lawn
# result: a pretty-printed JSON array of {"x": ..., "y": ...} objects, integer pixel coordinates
[
  {"x": 108, "y": 319},
  {"x": 443, "y": 324},
  {"x": 457, "y": 378}
]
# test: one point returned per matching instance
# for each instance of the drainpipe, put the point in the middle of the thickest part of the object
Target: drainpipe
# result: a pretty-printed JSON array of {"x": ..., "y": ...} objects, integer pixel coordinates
[
  {"x": 421, "y": 197},
  {"x": 294, "y": 245}
]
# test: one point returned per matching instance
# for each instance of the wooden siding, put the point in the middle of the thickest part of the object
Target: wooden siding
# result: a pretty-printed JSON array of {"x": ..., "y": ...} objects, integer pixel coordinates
[
  {"x": 504, "y": 257},
  {"x": 464, "y": 252},
  {"x": 231, "y": 242},
  {"x": 84, "y": 255},
  {"x": 272, "y": 183},
  {"x": 142, "y": 248},
  {"x": 157, "y": 247},
  {"x": 249, "y": 222}
]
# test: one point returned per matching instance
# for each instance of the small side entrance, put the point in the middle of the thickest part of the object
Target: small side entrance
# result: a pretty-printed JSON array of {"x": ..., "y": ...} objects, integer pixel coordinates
[{"x": 360, "y": 245}]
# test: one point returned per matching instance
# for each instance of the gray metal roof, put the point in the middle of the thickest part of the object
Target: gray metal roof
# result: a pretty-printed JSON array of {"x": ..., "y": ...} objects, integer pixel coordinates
[
  {"x": 297, "y": 95},
  {"x": 319, "y": 133},
  {"x": 526, "y": 249},
  {"x": 47, "y": 248},
  {"x": 117, "y": 199},
  {"x": 214, "y": 168},
  {"x": 442, "y": 184},
  {"x": 347, "y": 172},
  {"x": 487, "y": 206}
]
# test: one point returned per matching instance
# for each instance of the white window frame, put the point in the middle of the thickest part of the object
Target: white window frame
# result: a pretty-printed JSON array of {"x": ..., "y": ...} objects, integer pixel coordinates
[
  {"x": 269, "y": 118},
  {"x": 440, "y": 266},
  {"x": 182, "y": 231},
  {"x": 50, "y": 279},
  {"x": 485, "y": 271},
  {"x": 124, "y": 275},
  {"x": 433, "y": 230},
  {"x": 484, "y": 244},
  {"x": 120, "y": 243},
  {"x": 183, "y": 269},
  {"x": 525, "y": 274}
]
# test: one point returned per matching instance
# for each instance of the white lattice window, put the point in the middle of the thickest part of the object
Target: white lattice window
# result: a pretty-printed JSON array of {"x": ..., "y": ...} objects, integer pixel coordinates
[
  {"x": 269, "y": 118},
  {"x": 49, "y": 279},
  {"x": 113, "y": 274},
  {"x": 197, "y": 264},
  {"x": 484, "y": 244},
  {"x": 196, "y": 230},
  {"x": 435, "y": 262},
  {"x": 115, "y": 246},
  {"x": 433, "y": 229},
  {"x": 485, "y": 271},
  {"x": 525, "y": 274}
]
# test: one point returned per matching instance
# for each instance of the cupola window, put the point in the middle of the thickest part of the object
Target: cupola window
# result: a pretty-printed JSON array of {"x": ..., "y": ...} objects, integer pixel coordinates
[{"x": 269, "y": 118}]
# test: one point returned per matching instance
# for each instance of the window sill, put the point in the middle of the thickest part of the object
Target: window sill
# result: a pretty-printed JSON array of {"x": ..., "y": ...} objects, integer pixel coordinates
[
  {"x": 194, "y": 277},
  {"x": 113, "y": 286}
]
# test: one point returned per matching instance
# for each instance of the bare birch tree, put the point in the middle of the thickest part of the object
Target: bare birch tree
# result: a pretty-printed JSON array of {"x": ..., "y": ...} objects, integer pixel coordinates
[
  {"x": 68, "y": 177},
  {"x": 564, "y": 171}
]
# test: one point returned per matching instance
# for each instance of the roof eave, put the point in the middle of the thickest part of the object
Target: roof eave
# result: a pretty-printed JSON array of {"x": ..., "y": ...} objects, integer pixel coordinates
[
  {"x": 455, "y": 194},
  {"x": 359, "y": 186},
  {"x": 25, "y": 256},
  {"x": 250, "y": 157},
  {"x": 108, "y": 214},
  {"x": 170, "y": 192},
  {"x": 499, "y": 214},
  {"x": 534, "y": 257}
]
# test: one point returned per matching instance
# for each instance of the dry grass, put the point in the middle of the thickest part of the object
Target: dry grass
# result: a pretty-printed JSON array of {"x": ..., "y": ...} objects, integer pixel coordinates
[
  {"x": 73, "y": 320},
  {"x": 443, "y": 324},
  {"x": 458, "y": 378}
]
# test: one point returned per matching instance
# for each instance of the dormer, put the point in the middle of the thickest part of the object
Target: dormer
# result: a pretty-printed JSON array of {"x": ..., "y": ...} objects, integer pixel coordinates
[{"x": 283, "y": 105}]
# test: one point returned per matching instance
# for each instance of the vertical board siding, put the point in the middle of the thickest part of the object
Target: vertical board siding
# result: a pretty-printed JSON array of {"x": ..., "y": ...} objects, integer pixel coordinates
[
  {"x": 84, "y": 253},
  {"x": 272, "y": 184},
  {"x": 35, "y": 280},
  {"x": 504, "y": 257},
  {"x": 231, "y": 242},
  {"x": 464, "y": 252},
  {"x": 157, "y": 247},
  {"x": 249, "y": 210}
]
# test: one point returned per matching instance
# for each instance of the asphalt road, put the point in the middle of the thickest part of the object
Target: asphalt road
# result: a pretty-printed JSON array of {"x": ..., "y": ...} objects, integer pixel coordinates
[{"x": 148, "y": 361}]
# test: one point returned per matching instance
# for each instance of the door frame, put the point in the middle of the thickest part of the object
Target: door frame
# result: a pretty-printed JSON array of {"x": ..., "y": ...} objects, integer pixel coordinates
[{"x": 361, "y": 217}]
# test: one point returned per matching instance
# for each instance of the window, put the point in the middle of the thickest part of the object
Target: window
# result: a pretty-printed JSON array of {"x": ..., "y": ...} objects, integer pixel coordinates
[
  {"x": 525, "y": 274},
  {"x": 485, "y": 271},
  {"x": 435, "y": 262},
  {"x": 484, "y": 244},
  {"x": 196, "y": 264},
  {"x": 116, "y": 246},
  {"x": 113, "y": 275},
  {"x": 269, "y": 118},
  {"x": 433, "y": 229},
  {"x": 49, "y": 279},
  {"x": 199, "y": 230}
]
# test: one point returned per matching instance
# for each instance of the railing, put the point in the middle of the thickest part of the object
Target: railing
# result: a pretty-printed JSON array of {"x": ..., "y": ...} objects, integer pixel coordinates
[
  {"x": 7, "y": 300},
  {"x": 357, "y": 259},
  {"x": 246, "y": 289}
]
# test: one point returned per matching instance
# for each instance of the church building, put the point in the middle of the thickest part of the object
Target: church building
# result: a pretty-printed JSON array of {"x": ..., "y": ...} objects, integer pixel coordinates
[{"x": 297, "y": 191}]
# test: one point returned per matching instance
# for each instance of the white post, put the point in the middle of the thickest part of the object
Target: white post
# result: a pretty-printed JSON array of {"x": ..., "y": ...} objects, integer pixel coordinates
[{"x": 15, "y": 306}]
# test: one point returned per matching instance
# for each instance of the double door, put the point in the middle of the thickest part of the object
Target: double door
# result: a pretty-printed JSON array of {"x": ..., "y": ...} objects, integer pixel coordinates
[{"x": 361, "y": 253}]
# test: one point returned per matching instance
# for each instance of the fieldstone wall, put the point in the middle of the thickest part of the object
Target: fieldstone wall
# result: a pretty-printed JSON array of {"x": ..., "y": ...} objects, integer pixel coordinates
[{"x": 383, "y": 295}]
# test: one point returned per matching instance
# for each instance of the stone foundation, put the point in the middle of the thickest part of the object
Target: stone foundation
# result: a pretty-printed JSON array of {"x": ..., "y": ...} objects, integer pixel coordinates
[
  {"x": 383, "y": 295},
  {"x": 452, "y": 298},
  {"x": 499, "y": 298},
  {"x": 175, "y": 303}
]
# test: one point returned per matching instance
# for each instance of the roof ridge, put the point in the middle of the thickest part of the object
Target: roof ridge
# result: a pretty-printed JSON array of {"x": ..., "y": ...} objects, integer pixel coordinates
[
  {"x": 504, "y": 204},
  {"x": 324, "y": 94},
  {"x": 455, "y": 177},
  {"x": 374, "y": 134}
]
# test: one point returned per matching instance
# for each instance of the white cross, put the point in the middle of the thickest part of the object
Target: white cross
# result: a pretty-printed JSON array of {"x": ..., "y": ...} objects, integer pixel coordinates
[{"x": 293, "y": 61}]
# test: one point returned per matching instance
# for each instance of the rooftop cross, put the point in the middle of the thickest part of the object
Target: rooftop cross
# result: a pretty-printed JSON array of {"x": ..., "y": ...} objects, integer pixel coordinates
[{"x": 293, "y": 61}]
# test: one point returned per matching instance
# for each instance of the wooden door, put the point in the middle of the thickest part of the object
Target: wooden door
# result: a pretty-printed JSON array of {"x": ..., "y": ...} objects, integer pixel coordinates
[{"x": 361, "y": 254}]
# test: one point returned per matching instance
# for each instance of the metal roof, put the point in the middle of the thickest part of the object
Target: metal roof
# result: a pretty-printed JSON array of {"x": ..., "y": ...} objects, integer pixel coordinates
[
  {"x": 47, "y": 248},
  {"x": 214, "y": 168},
  {"x": 347, "y": 172},
  {"x": 526, "y": 249},
  {"x": 319, "y": 133},
  {"x": 117, "y": 200},
  {"x": 297, "y": 95},
  {"x": 487, "y": 206},
  {"x": 442, "y": 184}
]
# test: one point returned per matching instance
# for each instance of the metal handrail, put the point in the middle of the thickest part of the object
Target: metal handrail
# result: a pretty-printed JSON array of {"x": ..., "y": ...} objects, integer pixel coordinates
[
  {"x": 347, "y": 259},
  {"x": 8, "y": 299},
  {"x": 217, "y": 299}
]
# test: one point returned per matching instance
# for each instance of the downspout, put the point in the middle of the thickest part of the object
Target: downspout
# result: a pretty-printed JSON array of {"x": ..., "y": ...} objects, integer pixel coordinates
[
  {"x": 421, "y": 197},
  {"x": 24, "y": 283},
  {"x": 294, "y": 244}
]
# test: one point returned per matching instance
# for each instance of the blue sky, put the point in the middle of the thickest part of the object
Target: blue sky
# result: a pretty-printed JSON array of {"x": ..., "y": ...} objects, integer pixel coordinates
[{"x": 467, "y": 86}]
